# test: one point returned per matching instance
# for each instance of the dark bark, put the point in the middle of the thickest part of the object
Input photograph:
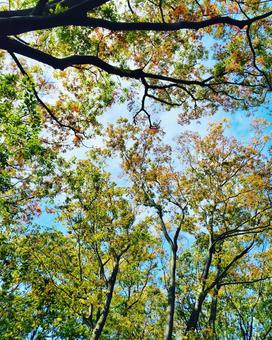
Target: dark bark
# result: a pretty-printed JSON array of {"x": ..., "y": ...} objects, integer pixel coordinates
[
  {"x": 19, "y": 24},
  {"x": 194, "y": 317},
  {"x": 77, "y": 13},
  {"x": 97, "y": 331},
  {"x": 81, "y": 7},
  {"x": 171, "y": 297},
  {"x": 16, "y": 22},
  {"x": 14, "y": 46},
  {"x": 214, "y": 302},
  {"x": 173, "y": 243},
  {"x": 213, "y": 310}
]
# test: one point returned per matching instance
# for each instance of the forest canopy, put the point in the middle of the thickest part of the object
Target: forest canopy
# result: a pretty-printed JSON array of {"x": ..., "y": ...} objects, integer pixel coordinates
[
  {"x": 181, "y": 250},
  {"x": 136, "y": 238},
  {"x": 192, "y": 55}
]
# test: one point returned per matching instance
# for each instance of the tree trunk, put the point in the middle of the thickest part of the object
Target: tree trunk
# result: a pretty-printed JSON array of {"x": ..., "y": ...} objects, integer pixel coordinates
[
  {"x": 194, "y": 317},
  {"x": 193, "y": 320},
  {"x": 97, "y": 331},
  {"x": 214, "y": 303},
  {"x": 171, "y": 297},
  {"x": 213, "y": 310}
]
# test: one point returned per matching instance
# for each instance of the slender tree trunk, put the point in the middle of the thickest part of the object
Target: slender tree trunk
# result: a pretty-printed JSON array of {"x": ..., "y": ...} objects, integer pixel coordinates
[
  {"x": 214, "y": 303},
  {"x": 97, "y": 331},
  {"x": 213, "y": 310},
  {"x": 171, "y": 296},
  {"x": 173, "y": 265},
  {"x": 194, "y": 317}
]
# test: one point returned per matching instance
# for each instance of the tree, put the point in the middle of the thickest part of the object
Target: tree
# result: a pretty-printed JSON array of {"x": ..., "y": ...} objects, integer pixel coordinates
[
  {"x": 88, "y": 280},
  {"x": 220, "y": 194},
  {"x": 231, "y": 200},
  {"x": 118, "y": 265},
  {"x": 114, "y": 270},
  {"x": 24, "y": 159},
  {"x": 165, "y": 55}
]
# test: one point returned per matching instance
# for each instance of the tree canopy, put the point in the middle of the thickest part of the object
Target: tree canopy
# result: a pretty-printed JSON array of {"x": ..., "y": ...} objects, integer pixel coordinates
[
  {"x": 196, "y": 55},
  {"x": 179, "y": 246},
  {"x": 120, "y": 266}
]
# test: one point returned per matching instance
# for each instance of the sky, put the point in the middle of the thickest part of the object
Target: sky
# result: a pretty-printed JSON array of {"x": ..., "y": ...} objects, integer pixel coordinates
[
  {"x": 240, "y": 127},
  {"x": 240, "y": 124}
]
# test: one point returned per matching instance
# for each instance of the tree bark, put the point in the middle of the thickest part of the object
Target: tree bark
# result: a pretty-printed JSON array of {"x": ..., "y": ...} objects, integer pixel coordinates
[
  {"x": 97, "y": 331},
  {"x": 171, "y": 296},
  {"x": 18, "y": 24},
  {"x": 194, "y": 317},
  {"x": 213, "y": 310},
  {"x": 173, "y": 265}
]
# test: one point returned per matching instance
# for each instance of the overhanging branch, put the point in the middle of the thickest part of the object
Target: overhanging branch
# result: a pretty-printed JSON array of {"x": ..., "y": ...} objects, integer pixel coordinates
[
  {"x": 15, "y": 46},
  {"x": 75, "y": 16}
]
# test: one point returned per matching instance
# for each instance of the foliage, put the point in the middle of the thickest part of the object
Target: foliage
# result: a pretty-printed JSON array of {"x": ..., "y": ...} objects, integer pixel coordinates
[
  {"x": 220, "y": 194},
  {"x": 181, "y": 246},
  {"x": 24, "y": 159},
  {"x": 120, "y": 266},
  {"x": 67, "y": 278},
  {"x": 163, "y": 49}
]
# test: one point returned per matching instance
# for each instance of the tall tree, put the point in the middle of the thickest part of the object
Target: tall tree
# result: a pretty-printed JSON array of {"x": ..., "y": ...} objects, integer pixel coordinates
[
  {"x": 221, "y": 196},
  {"x": 231, "y": 201},
  {"x": 155, "y": 185},
  {"x": 100, "y": 267}
]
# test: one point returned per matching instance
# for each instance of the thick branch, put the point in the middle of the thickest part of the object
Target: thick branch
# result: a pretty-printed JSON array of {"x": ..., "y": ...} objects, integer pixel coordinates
[
  {"x": 245, "y": 282},
  {"x": 102, "y": 319},
  {"x": 15, "y": 46},
  {"x": 25, "y": 23},
  {"x": 81, "y": 7}
]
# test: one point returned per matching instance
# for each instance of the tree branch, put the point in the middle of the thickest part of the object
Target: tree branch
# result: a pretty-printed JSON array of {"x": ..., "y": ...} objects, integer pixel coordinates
[
  {"x": 244, "y": 282},
  {"x": 75, "y": 16},
  {"x": 254, "y": 59},
  {"x": 224, "y": 272},
  {"x": 40, "y": 101},
  {"x": 15, "y": 46}
]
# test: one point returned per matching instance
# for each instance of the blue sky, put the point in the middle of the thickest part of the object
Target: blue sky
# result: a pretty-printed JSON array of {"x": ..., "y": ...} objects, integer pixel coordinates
[{"x": 240, "y": 127}]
